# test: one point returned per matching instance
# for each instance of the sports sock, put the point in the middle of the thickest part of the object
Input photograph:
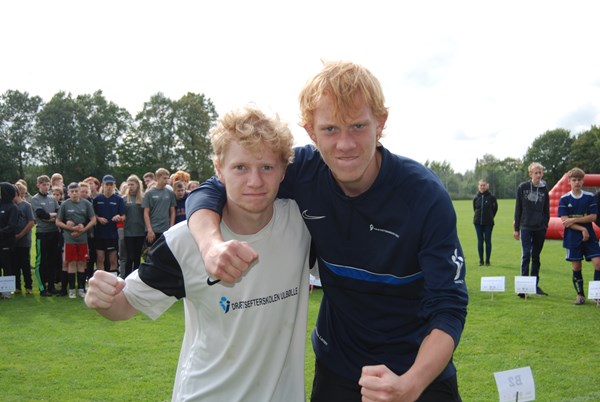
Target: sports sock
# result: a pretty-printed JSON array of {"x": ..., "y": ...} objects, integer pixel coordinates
[
  {"x": 597, "y": 275},
  {"x": 81, "y": 280},
  {"x": 72, "y": 280},
  {"x": 578, "y": 282},
  {"x": 63, "y": 281}
]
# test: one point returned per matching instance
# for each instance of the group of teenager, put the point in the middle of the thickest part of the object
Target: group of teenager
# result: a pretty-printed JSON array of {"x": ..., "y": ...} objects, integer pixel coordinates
[
  {"x": 84, "y": 226},
  {"x": 578, "y": 210}
]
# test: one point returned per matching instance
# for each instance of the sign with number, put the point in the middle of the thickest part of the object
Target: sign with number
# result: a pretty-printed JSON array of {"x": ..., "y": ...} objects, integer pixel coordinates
[
  {"x": 493, "y": 283},
  {"x": 515, "y": 385},
  {"x": 594, "y": 290},
  {"x": 7, "y": 283},
  {"x": 525, "y": 284}
]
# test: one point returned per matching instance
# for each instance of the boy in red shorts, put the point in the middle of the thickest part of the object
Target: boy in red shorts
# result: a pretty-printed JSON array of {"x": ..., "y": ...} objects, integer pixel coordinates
[{"x": 76, "y": 217}]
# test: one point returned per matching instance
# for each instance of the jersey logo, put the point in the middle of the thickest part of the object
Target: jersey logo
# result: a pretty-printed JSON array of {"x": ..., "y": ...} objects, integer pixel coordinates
[
  {"x": 306, "y": 216},
  {"x": 224, "y": 303},
  {"x": 210, "y": 282},
  {"x": 373, "y": 228},
  {"x": 460, "y": 262}
]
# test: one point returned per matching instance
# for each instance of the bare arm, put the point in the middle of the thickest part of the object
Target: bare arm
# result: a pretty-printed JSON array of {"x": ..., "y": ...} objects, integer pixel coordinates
[
  {"x": 171, "y": 216},
  {"x": 380, "y": 383},
  {"x": 105, "y": 295},
  {"x": 149, "y": 232}
]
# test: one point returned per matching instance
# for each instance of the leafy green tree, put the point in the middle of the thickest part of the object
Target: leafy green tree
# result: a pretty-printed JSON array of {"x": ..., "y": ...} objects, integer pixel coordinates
[
  {"x": 58, "y": 145},
  {"x": 447, "y": 176},
  {"x": 194, "y": 116},
  {"x": 17, "y": 126},
  {"x": 551, "y": 149},
  {"x": 100, "y": 124},
  {"x": 585, "y": 151},
  {"x": 157, "y": 131}
]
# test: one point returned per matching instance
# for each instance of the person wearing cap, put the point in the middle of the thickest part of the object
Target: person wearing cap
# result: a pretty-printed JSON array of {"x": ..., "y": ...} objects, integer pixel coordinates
[{"x": 109, "y": 209}]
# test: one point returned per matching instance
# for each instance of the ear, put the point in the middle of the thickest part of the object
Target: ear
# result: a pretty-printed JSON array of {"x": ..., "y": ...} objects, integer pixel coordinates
[
  {"x": 218, "y": 171},
  {"x": 381, "y": 125}
]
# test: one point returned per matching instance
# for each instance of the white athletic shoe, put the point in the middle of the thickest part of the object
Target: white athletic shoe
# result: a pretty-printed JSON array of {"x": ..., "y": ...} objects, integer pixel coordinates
[
  {"x": 72, "y": 294},
  {"x": 81, "y": 293}
]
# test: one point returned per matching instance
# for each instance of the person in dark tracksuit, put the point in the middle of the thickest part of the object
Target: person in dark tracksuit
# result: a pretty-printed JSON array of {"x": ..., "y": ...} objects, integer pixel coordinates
[
  {"x": 485, "y": 207},
  {"x": 532, "y": 213}
]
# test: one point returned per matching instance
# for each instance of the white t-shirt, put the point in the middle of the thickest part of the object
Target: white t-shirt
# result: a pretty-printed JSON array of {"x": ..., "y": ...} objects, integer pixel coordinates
[{"x": 242, "y": 342}]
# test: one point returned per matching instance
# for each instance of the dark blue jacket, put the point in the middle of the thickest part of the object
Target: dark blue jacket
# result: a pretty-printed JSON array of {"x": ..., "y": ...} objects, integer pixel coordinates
[{"x": 390, "y": 261}]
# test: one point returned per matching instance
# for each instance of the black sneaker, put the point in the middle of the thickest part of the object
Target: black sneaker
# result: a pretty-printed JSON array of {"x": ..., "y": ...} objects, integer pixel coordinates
[
  {"x": 481, "y": 263},
  {"x": 521, "y": 295},
  {"x": 45, "y": 293},
  {"x": 540, "y": 292},
  {"x": 53, "y": 291},
  {"x": 487, "y": 263}
]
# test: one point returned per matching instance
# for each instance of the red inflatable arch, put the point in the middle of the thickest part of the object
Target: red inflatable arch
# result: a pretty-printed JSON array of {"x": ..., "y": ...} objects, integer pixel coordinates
[{"x": 556, "y": 229}]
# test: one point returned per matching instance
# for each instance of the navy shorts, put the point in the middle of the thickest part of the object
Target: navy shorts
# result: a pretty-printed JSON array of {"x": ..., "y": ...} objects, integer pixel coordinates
[
  {"x": 587, "y": 249},
  {"x": 105, "y": 244}
]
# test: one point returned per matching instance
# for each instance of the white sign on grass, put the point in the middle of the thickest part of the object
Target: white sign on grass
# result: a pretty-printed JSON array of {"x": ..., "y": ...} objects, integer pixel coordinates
[
  {"x": 7, "y": 283},
  {"x": 594, "y": 290},
  {"x": 525, "y": 284},
  {"x": 515, "y": 385},
  {"x": 493, "y": 283}
]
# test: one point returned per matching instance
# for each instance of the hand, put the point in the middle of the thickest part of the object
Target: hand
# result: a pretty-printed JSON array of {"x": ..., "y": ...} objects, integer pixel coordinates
[
  {"x": 585, "y": 234},
  {"x": 150, "y": 237},
  {"x": 103, "y": 287},
  {"x": 116, "y": 218},
  {"x": 103, "y": 221},
  {"x": 379, "y": 383},
  {"x": 516, "y": 235},
  {"x": 229, "y": 260}
]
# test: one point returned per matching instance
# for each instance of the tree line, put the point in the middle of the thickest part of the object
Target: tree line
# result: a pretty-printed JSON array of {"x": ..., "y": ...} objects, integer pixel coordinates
[
  {"x": 88, "y": 135},
  {"x": 557, "y": 150}
]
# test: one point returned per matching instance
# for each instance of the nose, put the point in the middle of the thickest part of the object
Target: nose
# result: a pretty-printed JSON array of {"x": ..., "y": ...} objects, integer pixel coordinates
[
  {"x": 345, "y": 141},
  {"x": 254, "y": 178}
]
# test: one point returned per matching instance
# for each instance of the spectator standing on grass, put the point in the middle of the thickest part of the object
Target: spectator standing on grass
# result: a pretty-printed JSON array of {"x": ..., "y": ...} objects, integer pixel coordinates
[
  {"x": 181, "y": 194},
  {"x": 75, "y": 217},
  {"x": 390, "y": 262},
  {"x": 246, "y": 341},
  {"x": 532, "y": 213},
  {"x": 86, "y": 193},
  {"x": 109, "y": 209},
  {"x": 47, "y": 236},
  {"x": 59, "y": 194},
  {"x": 134, "y": 229},
  {"x": 578, "y": 209},
  {"x": 9, "y": 219},
  {"x": 485, "y": 207},
  {"x": 159, "y": 207},
  {"x": 22, "y": 253}
]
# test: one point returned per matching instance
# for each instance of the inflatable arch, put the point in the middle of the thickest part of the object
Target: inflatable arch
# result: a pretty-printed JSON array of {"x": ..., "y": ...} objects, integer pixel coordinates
[{"x": 556, "y": 229}]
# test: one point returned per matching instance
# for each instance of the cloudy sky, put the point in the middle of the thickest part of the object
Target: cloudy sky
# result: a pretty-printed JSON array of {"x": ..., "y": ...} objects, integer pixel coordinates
[{"x": 461, "y": 78}]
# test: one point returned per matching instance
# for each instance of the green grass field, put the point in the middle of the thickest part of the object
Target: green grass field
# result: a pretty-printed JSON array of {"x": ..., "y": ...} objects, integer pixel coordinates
[{"x": 55, "y": 349}]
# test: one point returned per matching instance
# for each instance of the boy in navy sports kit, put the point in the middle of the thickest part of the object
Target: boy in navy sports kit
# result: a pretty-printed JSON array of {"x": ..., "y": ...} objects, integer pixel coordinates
[
  {"x": 577, "y": 210},
  {"x": 390, "y": 262}
]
